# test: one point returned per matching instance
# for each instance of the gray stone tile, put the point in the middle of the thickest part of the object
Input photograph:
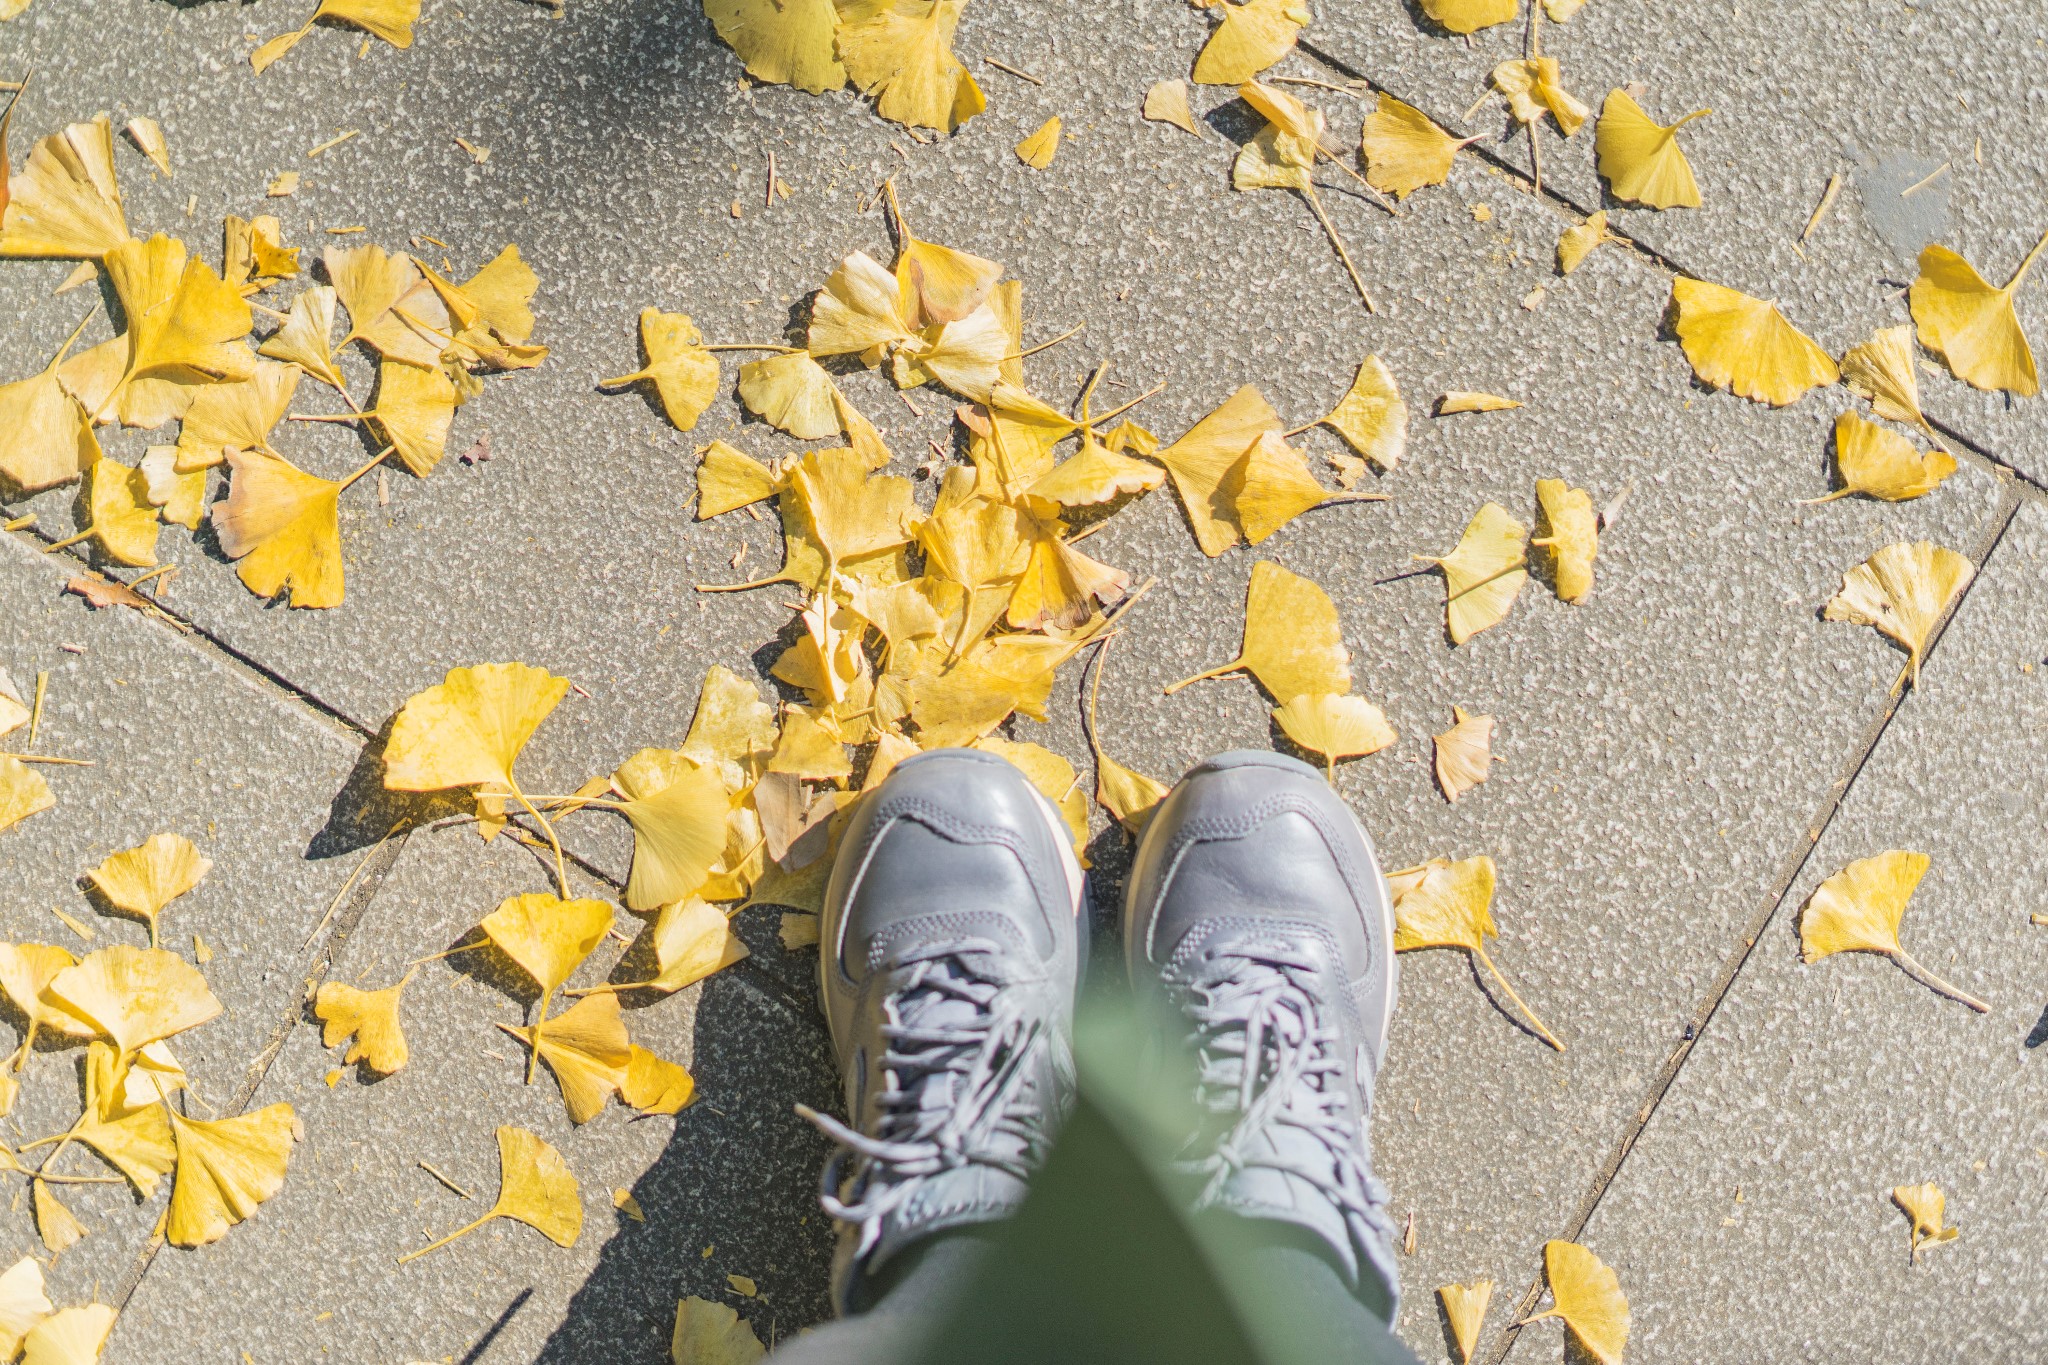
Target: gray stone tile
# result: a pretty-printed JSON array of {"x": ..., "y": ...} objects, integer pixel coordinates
[
  {"x": 184, "y": 743},
  {"x": 727, "y": 1187},
  {"x": 1816, "y": 1089}
]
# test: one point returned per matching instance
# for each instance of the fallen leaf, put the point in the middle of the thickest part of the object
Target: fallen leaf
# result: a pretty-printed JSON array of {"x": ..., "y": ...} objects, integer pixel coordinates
[
  {"x": 1484, "y": 575},
  {"x": 1443, "y": 904},
  {"x": 1972, "y": 325},
  {"x": 587, "y": 1049},
  {"x": 1464, "y": 753},
  {"x": 547, "y": 937},
  {"x": 1293, "y": 642},
  {"x": 1858, "y": 910},
  {"x": 1902, "y": 590},
  {"x": 654, "y": 1085},
  {"x": 236, "y": 416},
  {"x": 23, "y": 1304},
  {"x": 1167, "y": 102},
  {"x": 253, "y": 254},
  {"x": 1745, "y": 345},
  {"x": 306, "y": 338},
  {"x": 535, "y": 1187},
  {"x": 1371, "y": 418},
  {"x": 367, "y": 1021},
  {"x": 283, "y": 526},
  {"x": 782, "y": 42},
  {"x": 1125, "y": 793},
  {"x": 729, "y": 479},
  {"x": 132, "y": 996},
  {"x": 901, "y": 52},
  {"x": 22, "y": 792},
  {"x": 1469, "y": 16},
  {"x": 371, "y": 283},
  {"x": 1404, "y": 149},
  {"x": 414, "y": 410},
  {"x": 1464, "y": 400},
  {"x": 141, "y": 881},
  {"x": 1334, "y": 726},
  {"x": 468, "y": 729},
  {"x": 1925, "y": 1208},
  {"x": 46, "y": 436},
  {"x": 1572, "y": 539},
  {"x": 1883, "y": 464},
  {"x": 1574, "y": 244},
  {"x": 791, "y": 392},
  {"x": 1465, "y": 1309},
  {"x": 684, "y": 374},
  {"x": 1587, "y": 1295},
  {"x": 26, "y": 970},
  {"x": 1533, "y": 87},
  {"x": 226, "y": 1168},
  {"x": 1881, "y": 371},
  {"x": 1202, "y": 459},
  {"x": 1561, "y": 10},
  {"x": 678, "y": 813},
  {"x": 1641, "y": 158},
  {"x": 1252, "y": 36},
  {"x": 391, "y": 20},
  {"x": 178, "y": 498},
  {"x": 625, "y": 1203},
  {"x": 185, "y": 330},
  {"x": 64, "y": 201},
  {"x": 1095, "y": 475},
  {"x": 708, "y": 1333},
  {"x": 15, "y": 711},
  {"x": 55, "y": 1224},
  {"x": 132, "y": 1132},
  {"x": 70, "y": 1336},
  {"x": 1037, "y": 150}
]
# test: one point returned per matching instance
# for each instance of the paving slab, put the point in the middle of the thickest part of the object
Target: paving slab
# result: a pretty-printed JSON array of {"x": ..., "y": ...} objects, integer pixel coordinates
[
  {"x": 184, "y": 742},
  {"x": 1817, "y": 1089},
  {"x": 726, "y": 1187}
]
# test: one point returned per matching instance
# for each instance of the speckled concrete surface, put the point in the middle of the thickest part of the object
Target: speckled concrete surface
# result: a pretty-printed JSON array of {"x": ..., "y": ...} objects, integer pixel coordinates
[{"x": 1664, "y": 744}]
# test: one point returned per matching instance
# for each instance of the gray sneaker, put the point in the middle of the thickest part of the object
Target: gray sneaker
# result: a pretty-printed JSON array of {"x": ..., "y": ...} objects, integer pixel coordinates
[
  {"x": 948, "y": 959},
  {"x": 1257, "y": 909}
]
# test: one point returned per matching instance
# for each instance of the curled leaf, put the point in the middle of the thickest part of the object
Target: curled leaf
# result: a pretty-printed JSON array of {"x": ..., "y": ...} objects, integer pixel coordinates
[
  {"x": 1371, "y": 418},
  {"x": 1464, "y": 753},
  {"x": 1572, "y": 537},
  {"x": 1925, "y": 1208},
  {"x": 1883, "y": 464}
]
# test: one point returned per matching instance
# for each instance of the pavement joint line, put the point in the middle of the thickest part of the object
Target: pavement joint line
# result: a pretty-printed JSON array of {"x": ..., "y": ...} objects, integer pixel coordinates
[{"x": 1774, "y": 898}]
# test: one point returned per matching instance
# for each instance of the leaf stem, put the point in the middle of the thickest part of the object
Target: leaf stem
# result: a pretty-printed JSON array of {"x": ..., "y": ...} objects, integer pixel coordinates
[
  {"x": 1234, "y": 666},
  {"x": 51, "y": 759},
  {"x": 747, "y": 346},
  {"x": 463, "y": 1231},
  {"x": 2026, "y": 265},
  {"x": 1152, "y": 392},
  {"x": 561, "y": 867},
  {"x": 1048, "y": 345},
  {"x": 1520, "y": 1004},
  {"x": 379, "y": 459},
  {"x": 69, "y": 541},
  {"x": 1912, "y": 968},
  {"x": 1329, "y": 230}
]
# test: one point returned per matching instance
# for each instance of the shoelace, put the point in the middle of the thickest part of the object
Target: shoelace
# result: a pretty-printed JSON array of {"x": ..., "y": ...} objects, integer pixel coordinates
[
  {"x": 958, "y": 1063},
  {"x": 1268, "y": 1060}
]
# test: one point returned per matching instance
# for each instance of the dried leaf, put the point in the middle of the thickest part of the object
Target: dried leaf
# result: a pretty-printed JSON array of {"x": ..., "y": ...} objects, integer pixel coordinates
[
  {"x": 692, "y": 940},
  {"x": 1469, "y": 16},
  {"x": 901, "y": 52},
  {"x": 1587, "y": 1295},
  {"x": 1972, "y": 325},
  {"x": 683, "y": 373},
  {"x": 141, "y": 881},
  {"x": 1464, "y": 753},
  {"x": 367, "y": 1021},
  {"x": 132, "y": 996},
  {"x": 1484, "y": 575},
  {"x": 535, "y": 1187},
  {"x": 253, "y": 255},
  {"x": 235, "y": 416},
  {"x": 1574, "y": 244},
  {"x": 1167, "y": 102},
  {"x": 1883, "y": 464},
  {"x": 22, "y": 792},
  {"x": 1371, "y": 418},
  {"x": 1573, "y": 537},
  {"x": 1881, "y": 371},
  {"x": 1745, "y": 345},
  {"x": 70, "y": 1336},
  {"x": 1334, "y": 726},
  {"x": 1404, "y": 150},
  {"x": 1465, "y": 1308},
  {"x": 1534, "y": 88},
  {"x": 1125, "y": 793},
  {"x": 1293, "y": 643},
  {"x": 782, "y": 42},
  {"x": 1561, "y": 10},
  {"x": 64, "y": 201},
  {"x": 1252, "y": 36},
  {"x": 468, "y": 729},
  {"x": 1202, "y": 459},
  {"x": 587, "y": 1048},
  {"x": 1464, "y": 400},
  {"x": 1038, "y": 150},
  {"x": 1641, "y": 158},
  {"x": 708, "y": 1333},
  {"x": 1902, "y": 590},
  {"x": 1926, "y": 1209},
  {"x": 284, "y": 527},
  {"x": 23, "y": 1304}
]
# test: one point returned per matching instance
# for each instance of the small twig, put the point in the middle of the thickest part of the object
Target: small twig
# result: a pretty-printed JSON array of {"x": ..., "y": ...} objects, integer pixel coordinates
[
  {"x": 55, "y": 762},
  {"x": 1343, "y": 255},
  {"x": 333, "y": 142},
  {"x": 1357, "y": 87},
  {"x": 1827, "y": 201},
  {"x": 35, "y": 720},
  {"x": 1020, "y": 75},
  {"x": 445, "y": 1180},
  {"x": 1924, "y": 181},
  {"x": 1048, "y": 345}
]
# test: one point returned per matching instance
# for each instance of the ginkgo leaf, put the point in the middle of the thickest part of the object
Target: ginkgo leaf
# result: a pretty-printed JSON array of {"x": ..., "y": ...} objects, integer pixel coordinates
[
  {"x": 1641, "y": 158},
  {"x": 1038, "y": 150},
  {"x": 1167, "y": 102},
  {"x": 708, "y": 1333},
  {"x": 15, "y": 712},
  {"x": 1293, "y": 643},
  {"x": 1334, "y": 725},
  {"x": 1444, "y": 904},
  {"x": 729, "y": 479},
  {"x": 46, "y": 437},
  {"x": 236, "y": 416},
  {"x": 1060, "y": 585},
  {"x": 367, "y": 1021},
  {"x": 1467, "y": 400},
  {"x": 535, "y": 1186},
  {"x": 468, "y": 729},
  {"x": 678, "y": 830},
  {"x": 1883, "y": 464},
  {"x": 1926, "y": 1210},
  {"x": 22, "y": 792},
  {"x": 1881, "y": 371},
  {"x": 810, "y": 746},
  {"x": 132, "y": 996},
  {"x": 226, "y": 1169},
  {"x": 70, "y": 1336},
  {"x": 655, "y": 1085},
  {"x": 782, "y": 42},
  {"x": 283, "y": 525},
  {"x": 1574, "y": 244},
  {"x": 1484, "y": 575},
  {"x": 64, "y": 201},
  {"x": 692, "y": 939},
  {"x": 1404, "y": 150},
  {"x": 1587, "y": 1295},
  {"x": 1465, "y": 1309},
  {"x": 939, "y": 284},
  {"x": 307, "y": 337},
  {"x": 1902, "y": 590},
  {"x": 1469, "y": 16},
  {"x": 55, "y": 1224},
  {"x": 1858, "y": 910},
  {"x": 414, "y": 410},
  {"x": 587, "y": 1049},
  {"x": 1534, "y": 87},
  {"x": 124, "y": 521},
  {"x": 26, "y": 970},
  {"x": 850, "y": 512},
  {"x": 1271, "y": 486},
  {"x": 1252, "y": 36},
  {"x": 684, "y": 374},
  {"x": 141, "y": 881},
  {"x": 1272, "y": 161},
  {"x": 1095, "y": 475},
  {"x": 185, "y": 328},
  {"x": 791, "y": 392},
  {"x": 1125, "y": 793},
  {"x": 901, "y": 51},
  {"x": 732, "y": 723},
  {"x": 253, "y": 255},
  {"x": 1744, "y": 345},
  {"x": 1572, "y": 536},
  {"x": 546, "y": 936},
  {"x": 1371, "y": 418},
  {"x": 1202, "y": 459},
  {"x": 370, "y": 283},
  {"x": 23, "y": 1304},
  {"x": 391, "y": 20},
  {"x": 1464, "y": 753},
  {"x": 1971, "y": 325},
  {"x": 1561, "y": 10},
  {"x": 132, "y": 1132},
  {"x": 859, "y": 311}
]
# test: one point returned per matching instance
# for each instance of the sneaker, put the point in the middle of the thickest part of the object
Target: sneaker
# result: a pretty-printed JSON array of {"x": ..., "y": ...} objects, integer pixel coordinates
[
  {"x": 1256, "y": 908},
  {"x": 948, "y": 960}
]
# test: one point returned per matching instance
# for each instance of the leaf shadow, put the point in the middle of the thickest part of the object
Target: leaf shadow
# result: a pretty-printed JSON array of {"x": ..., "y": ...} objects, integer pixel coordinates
[
  {"x": 1487, "y": 988},
  {"x": 364, "y": 813},
  {"x": 2039, "y": 1034}
]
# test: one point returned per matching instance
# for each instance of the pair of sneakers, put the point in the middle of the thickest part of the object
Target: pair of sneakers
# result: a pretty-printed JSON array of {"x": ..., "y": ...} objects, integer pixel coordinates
[{"x": 951, "y": 951}]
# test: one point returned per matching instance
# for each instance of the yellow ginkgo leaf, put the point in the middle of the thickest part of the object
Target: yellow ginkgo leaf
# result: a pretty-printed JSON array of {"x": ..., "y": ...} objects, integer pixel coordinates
[
  {"x": 1125, "y": 793},
  {"x": 1443, "y": 904},
  {"x": 729, "y": 479},
  {"x": 374, "y": 286},
  {"x": 1202, "y": 459},
  {"x": 391, "y": 20},
  {"x": 684, "y": 374},
  {"x": 1334, "y": 725},
  {"x": 70, "y": 1336},
  {"x": 1745, "y": 345},
  {"x": 132, "y": 996},
  {"x": 1061, "y": 586},
  {"x": 1293, "y": 643},
  {"x": 1641, "y": 158},
  {"x": 367, "y": 1021},
  {"x": 283, "y": 526},
  {"x": 235, "y": 416},
  {"x": 307, "y": 337},
  {"x": 23, "y": 1304},
  {"x": 1252, "y": 36},
  {"x": 1587, "y": 1295},
  {"x": 1273, "y": 161},
  {"x": 859, "y": 312},
  {"x": 1484, "y": 575},
  {"x": 55, "y": 1224},
  {"x": 1464, "y": 753},
  {"x": 1095, "y": 475},
  {"x": 1371, "y": 418},
  {"x": 46, "y": 437},
  {"x": 22, "y": 792},
  {"x": 1534, "y": 88},
  {"x": 966, "y": 356},
  {"x": 1467, "y": 400},
  {"x": 1465, "y": 1309},
  {"x": 226, "y": 1168},
  {"x": 185, "y": 328},
  {"x": 1469, "y": 16},
  {"x": 468, "y": 729},
  {"x": 547, "y": 937},
  {"x": 26, "y": 970},
  {"x": 132, "y": 1131},
  {"x": 1902, "y": 590},
  {"x": 15, "y": 711},
  {"x": 782, "y": 42},
  {"x": 1038, "y": 150},
  {"x": 1881, "y": 371},
  {"x": 708, "y": 1333},
  {"x": 413, "y": 412},
  {"x": 1404, "y": 150},
  {"x": 1572, "y": 536},
  {"x": 1574, "y": 244},
  {"x": 791, "y": 392},
  {"x": 732, "y": 723},
  {"x": 587, "y": 1049},
  {"x": 253, "y": 255},
  {"x": 535, "y": 1186},
  {"x": 655, "y": 1085},
  {"x": 1858, "y": 910},
  {"x": 810, "y": 746},
  {"x": 1972, "y": 325},
  {"x": 938, "y": 284},
  {"x": 1883, "y": 464},
  {"x": 1271, "y": 486},
  {"x": 1167, "y": 102},
  {"x": 122, "y": 519},
  {"x": 901, "y": 52},
  {"x": 678, "y": 820},
  {"x": 850, "y": 512},
  {"x": 1926, "y": 1210},
  {"x": 1561, "y": 10},
  {"x": 64, "y": 201},
  {"x": 141, "y": 881},
  {"x": 692, "y": 939}
]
